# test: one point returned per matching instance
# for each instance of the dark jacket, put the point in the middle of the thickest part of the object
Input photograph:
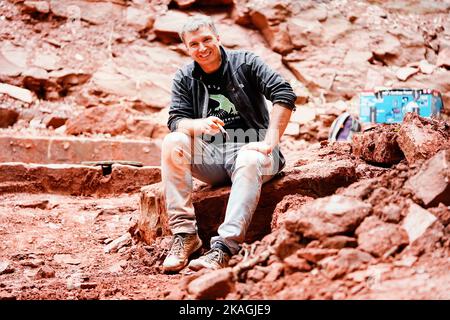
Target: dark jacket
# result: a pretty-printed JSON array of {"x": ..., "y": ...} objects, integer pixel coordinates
[{"x": 249, "y": 81}]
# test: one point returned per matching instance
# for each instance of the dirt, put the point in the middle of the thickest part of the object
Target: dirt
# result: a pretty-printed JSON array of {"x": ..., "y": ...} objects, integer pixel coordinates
[
  {"x": 53, "y": 247},
  {"x": 428, "y": 279},
  {"x": 69, "y": 236}
]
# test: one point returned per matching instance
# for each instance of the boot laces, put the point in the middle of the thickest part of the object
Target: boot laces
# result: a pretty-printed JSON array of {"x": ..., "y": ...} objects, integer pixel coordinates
[
  {"x": 216, "y": 255},
  {"x": 177, "y": 246}
]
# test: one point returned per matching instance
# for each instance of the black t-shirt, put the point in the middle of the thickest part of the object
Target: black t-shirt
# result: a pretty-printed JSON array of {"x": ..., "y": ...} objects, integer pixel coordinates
[{"x": 220, "y": 104}]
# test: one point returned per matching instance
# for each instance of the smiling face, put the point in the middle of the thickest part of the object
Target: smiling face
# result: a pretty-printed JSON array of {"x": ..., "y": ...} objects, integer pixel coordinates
[{"x": 204, "y": 47}]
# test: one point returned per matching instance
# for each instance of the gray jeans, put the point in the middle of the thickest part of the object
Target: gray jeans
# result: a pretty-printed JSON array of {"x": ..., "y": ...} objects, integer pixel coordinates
[{"x": 184, "y": 157}]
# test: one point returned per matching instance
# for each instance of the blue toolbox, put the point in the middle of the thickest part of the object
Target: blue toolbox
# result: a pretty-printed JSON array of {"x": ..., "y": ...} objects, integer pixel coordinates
[{"x": 390, "y": 106}]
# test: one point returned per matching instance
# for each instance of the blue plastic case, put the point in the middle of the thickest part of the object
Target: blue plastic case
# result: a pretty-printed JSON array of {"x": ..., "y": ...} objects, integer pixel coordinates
[{"x": 390, "y": 106}]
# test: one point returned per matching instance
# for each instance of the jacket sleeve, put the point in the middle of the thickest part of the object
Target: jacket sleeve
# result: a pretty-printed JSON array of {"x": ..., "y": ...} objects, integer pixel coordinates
[
  {"x": 181, "y": 106},
  {"x": 270, "y": 83}
]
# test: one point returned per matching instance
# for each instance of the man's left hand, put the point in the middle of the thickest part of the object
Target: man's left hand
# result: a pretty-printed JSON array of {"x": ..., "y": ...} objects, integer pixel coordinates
[{"x": 260, "y": 146}]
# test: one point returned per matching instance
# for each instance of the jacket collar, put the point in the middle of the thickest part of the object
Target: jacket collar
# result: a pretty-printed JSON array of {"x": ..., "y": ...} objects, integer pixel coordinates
[{"x": 197, "y": 72}]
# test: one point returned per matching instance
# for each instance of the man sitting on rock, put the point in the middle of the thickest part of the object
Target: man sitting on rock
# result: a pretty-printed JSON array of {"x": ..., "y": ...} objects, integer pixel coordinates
[{"x": 220, "y": 132}]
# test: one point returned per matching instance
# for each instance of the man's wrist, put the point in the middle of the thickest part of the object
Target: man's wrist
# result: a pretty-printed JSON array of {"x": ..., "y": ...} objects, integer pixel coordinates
[
  {"x": 186, "y": 126},
  {"x": 270, "y": 145}
]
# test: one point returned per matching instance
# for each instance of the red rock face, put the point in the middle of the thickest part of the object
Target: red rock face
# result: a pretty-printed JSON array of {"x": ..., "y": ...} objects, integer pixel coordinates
[
  {"x": 416, "y": 139},
  {"x": 8, "y": 117},
  {"x": 379, "y": 238},
  {"x": 55, "y": 121},
  {"x": 378, "y": 145},
  {"x": 345, "y": 261},
  {"x": 421, "y": 138},
  {"x": 431, "y": 184},
  {"x": 300, "y": 33},
  {"x": 112, "y": 120},
  {"x": 72, "y": 150},
  {"x": 213, "y": 285},
  {"x": 326, "y": 217},
  {"x": 288, "y": 202},
  {"x": 182, "y": 4},
  {"x": 75, "y": 179}
]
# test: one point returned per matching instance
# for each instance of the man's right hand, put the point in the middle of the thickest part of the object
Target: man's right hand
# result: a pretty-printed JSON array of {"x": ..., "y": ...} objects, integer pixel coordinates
[{"x": 197, "y": 127}]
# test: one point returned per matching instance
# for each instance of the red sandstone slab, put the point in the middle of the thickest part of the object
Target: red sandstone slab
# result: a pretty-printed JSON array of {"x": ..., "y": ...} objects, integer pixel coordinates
[
  {"x": 48, "y": 150},
  {"x": 75, "y": 179},
  {"x": 431, "y": 184},
  {"x": 314, "y": 179}
]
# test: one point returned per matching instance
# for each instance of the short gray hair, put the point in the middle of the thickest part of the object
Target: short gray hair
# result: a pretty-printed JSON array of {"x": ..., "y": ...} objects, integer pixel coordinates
[{"x": 196, "y": 22}]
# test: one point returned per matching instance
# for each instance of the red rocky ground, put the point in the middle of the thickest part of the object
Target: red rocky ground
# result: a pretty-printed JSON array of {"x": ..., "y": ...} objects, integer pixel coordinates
[{"x": 57, "y": 250}]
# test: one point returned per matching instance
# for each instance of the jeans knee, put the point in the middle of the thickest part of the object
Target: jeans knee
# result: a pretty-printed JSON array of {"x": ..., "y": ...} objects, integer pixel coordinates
[
  {"x": 175, "y": 142},
  {"x": 250, "y": 159},
  {"x": 175, "y": 139}
]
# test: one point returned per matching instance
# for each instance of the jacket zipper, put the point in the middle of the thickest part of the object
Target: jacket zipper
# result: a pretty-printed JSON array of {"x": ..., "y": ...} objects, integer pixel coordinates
[{"x": 205, "y": 101}]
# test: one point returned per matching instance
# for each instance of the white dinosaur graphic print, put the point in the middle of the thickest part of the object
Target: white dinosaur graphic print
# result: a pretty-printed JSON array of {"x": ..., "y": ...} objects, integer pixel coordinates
[{"x": 224, "y": 104}]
